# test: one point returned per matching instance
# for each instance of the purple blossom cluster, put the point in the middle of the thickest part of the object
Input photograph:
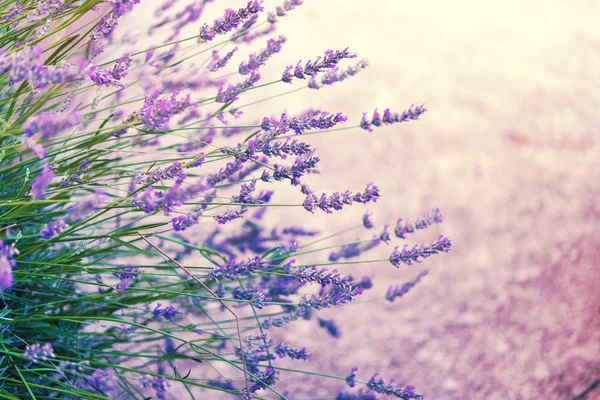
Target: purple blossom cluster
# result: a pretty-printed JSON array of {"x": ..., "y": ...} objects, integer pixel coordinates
[
  {"x": 41, "y": 183},
  {"x": 368, "y": 220},
  {"x": 245, "y": 196},
  {"x": 424, "y": 222},
  {"x": 232, "y": 92},
  {"x": 251, "y": 294},
  {"x": 156, "y": 113},
  {"x": 335, "y": 297},
  {"x": 151, "y": 200},
  {"x": 111, "y": 76},
  {"x": 234, "y": 269},
  {"x": 337, "y": 200},
  {"x": 388, "y": 118},
  {"x": 302, "y": 123},
  {"x": 125, "y": 275},
  {"x": 417, "y": 253},
  {"x": 353, "y": 250},
  {"x": 322, "y": 276},
  {"x": 378, "y": 385},
  {"x": 281, "y": 11},
  {"x": 49, "y": 124},
  {"x": 7, "y": 264},
  {"x": 88, "y": 205},
  {"x": 337, "y": 75},
  {"x": 37, "y": 352},
  {"x": 53, "y": 229},
  {"x": 360, "y": 395},
  {"x": 284, "y": 351},
  {"x": 101, "y": 379},
  {"x": 157, "y": 383},
  {"x": 230, "y": 215},
  {"x": 120, "y": 7},
  {"x": 169, "y": 313},
  {"x": 182, "y": 222},
  {"x": 230, "y": 21},
  {"x": 256, "y": 60},
  {"x": 219, "y": 62},
  {"x": 172, "y": 172},
  {"x": 398, "y": 291},
  {"x": 329, "y": 60},
  {"x": 331, "y": 327}
]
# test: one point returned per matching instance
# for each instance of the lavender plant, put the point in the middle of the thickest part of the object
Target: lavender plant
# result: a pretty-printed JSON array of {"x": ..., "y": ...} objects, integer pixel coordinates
[{"x": 135, "y": 257}]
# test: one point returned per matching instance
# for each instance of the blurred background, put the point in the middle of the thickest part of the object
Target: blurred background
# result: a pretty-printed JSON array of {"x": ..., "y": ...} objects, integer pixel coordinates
[{"x": 508, "y": 151}]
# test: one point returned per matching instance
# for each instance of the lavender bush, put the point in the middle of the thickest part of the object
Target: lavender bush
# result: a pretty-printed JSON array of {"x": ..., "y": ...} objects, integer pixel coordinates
[{"x": 120, "y": 167}]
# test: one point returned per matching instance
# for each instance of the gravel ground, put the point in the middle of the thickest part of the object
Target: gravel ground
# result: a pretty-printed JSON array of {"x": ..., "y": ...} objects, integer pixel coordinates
[{"x": 508, "y": 151}]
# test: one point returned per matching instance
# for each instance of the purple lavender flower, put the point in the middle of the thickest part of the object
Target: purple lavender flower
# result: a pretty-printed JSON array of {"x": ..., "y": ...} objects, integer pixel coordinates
[
  {"x": 336, "y": 297},
  {"x": 14, "y": 13},
  {"x": 182, "y": 222},
  {"x": 156, "y": 113},
  {"x": 219, "y": 62},
  {"x": 101, "y": 380},
  {"x": 337, "y": 75},
  {"x": 49, "y": 124},
  {"x": 284, "y": 351},
  {"x": 337, "y": 200},
  {"x": 303, "y": 123},
  {"x": 330, "y": 326},
  {"x": 360, "y": 395},
  {"x": 368, "y": 220},
  {"x": 229, "y": 215},
  {"x": 44, "y": 8},
  {"x": 329, "y": 60},
  {"x": 111, "y": 76},
  {"x": 351, "y": 378},
  {"x": 281, "y": 11},
  {"x": 385, "y": 235},
  {"x": 297, "y": 170},
  {"x": 53, "y": 229},
  {"x": 233, "y": 91},
  {"x": 322, "y": 276},
  {"x": 245, "y": 196},
  {"x": 159, "y": 384},
  {"x": 256, "y": 60},
  {"x": 399, "y": 291},
  {"x": 7, "y": 264},
  {"x": 41, "y": 183},
  {"x": 172, "y": 172},
  {"x": 389, "y": 118},
  {"x": 424, "y": 222},
  {"x": 229, "y": 22},
  {"x": 416, "y": 254},
  {"x": 233, "y": 269},
  {"x": 125, "y": 274},
  {"x": 252, "y": 295},
  {"x": 121, "y": 7},
  {"x": 87, "y": 205},
  {"x": 353, "y": 250},
  {"x": 38, "y": 352},
  {"x": 379, "y": 386},
  {"x": 169, "y": 313}
]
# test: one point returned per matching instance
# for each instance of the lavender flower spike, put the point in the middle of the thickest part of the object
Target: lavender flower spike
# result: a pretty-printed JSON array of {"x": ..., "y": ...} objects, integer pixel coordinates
[
  {"x": 329, "y": 60},
  {"x": 169, "y": 313},
  {"x": 379, "y": 386},
  {"x": 400, "y": 291},
  {"x": 258, "y": 59},
  {"x": 53, "y": 229},
  {"x": 416, "y": 254},
  {"x": 7, "y": 263},
  {"x": 389, "y": 118},
  {"x": 38, "y": 352},
  {"x": 426, "y": 221},
  {"x": 41, "y": 183},
  {"x": 219, "y": 62},
  {"x": 229, "y": 216},
  {"x": 229, "y": 22}
]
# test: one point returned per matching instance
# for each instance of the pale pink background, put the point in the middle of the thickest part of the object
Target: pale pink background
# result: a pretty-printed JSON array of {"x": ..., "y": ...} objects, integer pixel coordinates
[{"x": 508, "y": 151}]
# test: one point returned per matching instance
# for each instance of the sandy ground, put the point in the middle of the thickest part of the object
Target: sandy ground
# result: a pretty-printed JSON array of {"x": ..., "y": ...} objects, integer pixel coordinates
[{"x": 508, "y": 151}]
